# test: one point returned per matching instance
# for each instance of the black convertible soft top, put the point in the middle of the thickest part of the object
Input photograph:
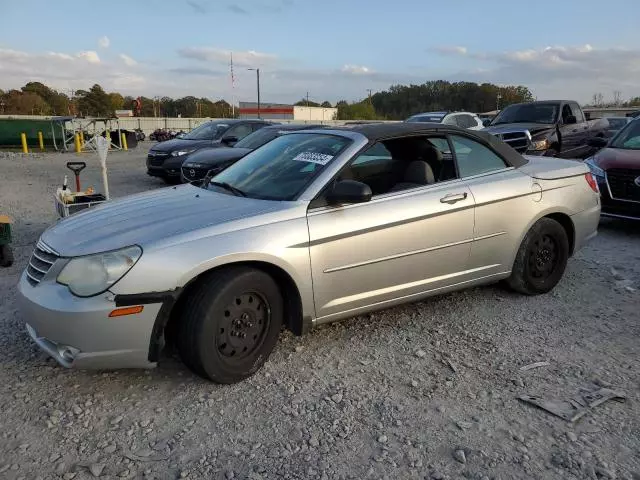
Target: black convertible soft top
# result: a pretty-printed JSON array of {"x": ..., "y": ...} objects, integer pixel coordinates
[{"x": 384, "y": 131}]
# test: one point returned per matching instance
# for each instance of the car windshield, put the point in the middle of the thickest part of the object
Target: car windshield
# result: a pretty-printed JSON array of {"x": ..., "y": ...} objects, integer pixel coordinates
[
  {"x": 282, "y": 168},
  {"x": 528, "y": 113},
  {"x": 207, "y": 131},
  {"x": 629, "y": 137},
  {"x": 257, "y": 139},
  {"x": 426, "y": 118}
]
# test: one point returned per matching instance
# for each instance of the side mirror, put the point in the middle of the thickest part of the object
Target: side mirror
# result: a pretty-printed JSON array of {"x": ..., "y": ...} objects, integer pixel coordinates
[
  {"x": 349, "y": 191},
  {"x": 229, "y": 140},
  {"x": 571, "y": 119},
  {"x": 597, "y": 142}
]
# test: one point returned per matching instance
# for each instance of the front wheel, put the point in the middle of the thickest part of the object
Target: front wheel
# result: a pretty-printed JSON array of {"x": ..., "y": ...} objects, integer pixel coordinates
[
  {"x": 541, "y": 259},
  {"x": 230, "y": 324}
]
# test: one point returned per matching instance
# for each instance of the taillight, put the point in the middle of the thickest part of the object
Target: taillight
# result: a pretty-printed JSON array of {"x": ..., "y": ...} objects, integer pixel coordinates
[{"x": 592, "y": 182}]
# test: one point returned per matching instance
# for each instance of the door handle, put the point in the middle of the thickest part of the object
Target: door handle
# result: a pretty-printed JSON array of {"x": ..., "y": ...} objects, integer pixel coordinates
[{"x": 453, "y": 197}]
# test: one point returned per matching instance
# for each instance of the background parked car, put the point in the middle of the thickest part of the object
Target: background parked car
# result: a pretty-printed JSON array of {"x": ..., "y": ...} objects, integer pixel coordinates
[
  {"x": 467, "y": 120},
  {"x": 217, "y": 159},
  {"x": 617, "y": 170},
  {"x": 165, "y": 158},
  {"x": 553, "y": 128}
]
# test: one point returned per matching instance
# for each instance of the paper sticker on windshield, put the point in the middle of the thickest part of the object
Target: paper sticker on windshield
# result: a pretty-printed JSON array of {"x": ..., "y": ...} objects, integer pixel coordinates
[{"x": 312, "y": 157}]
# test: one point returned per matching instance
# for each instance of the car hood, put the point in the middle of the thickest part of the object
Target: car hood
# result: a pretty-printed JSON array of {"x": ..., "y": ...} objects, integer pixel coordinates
[
  {"x": 181, "y": 143},
  {"x": 149, "y": 217},
  {"x": 213, "y": 156},
  {"x": 534, "y": 128},
  {"x": 617, "y": 158}
]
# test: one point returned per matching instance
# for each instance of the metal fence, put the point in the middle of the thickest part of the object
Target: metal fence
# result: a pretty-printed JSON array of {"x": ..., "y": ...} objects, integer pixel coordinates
[{"x": 149, "y": 124}]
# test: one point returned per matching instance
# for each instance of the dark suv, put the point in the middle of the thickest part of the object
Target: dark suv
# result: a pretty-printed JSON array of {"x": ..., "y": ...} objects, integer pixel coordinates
[
  {"x": 214, "y": 160},
  {"x": 165, "y": 158}
]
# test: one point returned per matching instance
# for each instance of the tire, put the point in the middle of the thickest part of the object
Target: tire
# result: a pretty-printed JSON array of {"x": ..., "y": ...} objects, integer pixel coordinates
[
  {"x": 6, "y": 256},
  {"x": 230, "y": 324},
  {"x": 541, "y": 259}
]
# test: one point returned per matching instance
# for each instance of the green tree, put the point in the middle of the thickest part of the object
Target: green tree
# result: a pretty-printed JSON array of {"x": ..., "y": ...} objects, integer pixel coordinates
[
  {"x": 117, "y": 102},
  {"x": 325, "y": 104},
  {"x": 59, "y": 103},
  {"x": 356, "y": 111},
  {"x": 17, "y": 102},
  {"x": 95, "y": 102},
  {"x": 304, "y": 103}
]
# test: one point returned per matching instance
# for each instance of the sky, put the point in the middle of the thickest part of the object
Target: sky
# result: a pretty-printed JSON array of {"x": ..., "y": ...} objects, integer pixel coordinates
[{"x": 332, "y": 49}]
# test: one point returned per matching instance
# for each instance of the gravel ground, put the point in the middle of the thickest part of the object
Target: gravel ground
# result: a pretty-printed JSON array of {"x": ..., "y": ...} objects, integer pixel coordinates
[{"x": 427, "y": 390}]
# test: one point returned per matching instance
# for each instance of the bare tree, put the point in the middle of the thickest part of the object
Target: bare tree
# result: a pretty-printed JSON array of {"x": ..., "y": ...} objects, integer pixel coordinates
[
  {"x": 597, "y": 99},
  {"x": 617, "y": 98}
]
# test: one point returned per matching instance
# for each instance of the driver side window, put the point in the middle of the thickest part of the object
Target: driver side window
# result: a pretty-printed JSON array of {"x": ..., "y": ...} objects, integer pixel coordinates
[{"x": 401, "y": 164}]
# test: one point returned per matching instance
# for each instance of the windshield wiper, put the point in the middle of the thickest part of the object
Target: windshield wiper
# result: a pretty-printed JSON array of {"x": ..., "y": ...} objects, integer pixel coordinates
[{"x": 230, "y": 188}]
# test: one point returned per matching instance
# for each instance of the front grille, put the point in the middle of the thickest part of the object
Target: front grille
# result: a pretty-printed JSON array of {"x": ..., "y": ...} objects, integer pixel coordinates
[
  {"x": 156, "y": 159},
  {"x": 41, "y": 261},
  {"x": 193, "y": 173},
  {"x": 516, "y": 140},
  {"x": 622, "y": 184}
]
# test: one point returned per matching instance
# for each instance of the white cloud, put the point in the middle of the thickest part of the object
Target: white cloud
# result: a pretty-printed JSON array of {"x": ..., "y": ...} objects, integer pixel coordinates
[
  {"x": 574, "y": 72},
  {"x": 104, "y": 42},
  {"x": 450, "y": 50},
  {"x": 213, "y": 54},
  {"x": 130, "y": 62},
  {"x": 356, "y": 69},
  {"x": 90, "y": 56}
]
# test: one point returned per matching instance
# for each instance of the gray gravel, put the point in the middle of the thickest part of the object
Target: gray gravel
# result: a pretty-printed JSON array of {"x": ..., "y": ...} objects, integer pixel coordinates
[{"x": 427, "y": 390}]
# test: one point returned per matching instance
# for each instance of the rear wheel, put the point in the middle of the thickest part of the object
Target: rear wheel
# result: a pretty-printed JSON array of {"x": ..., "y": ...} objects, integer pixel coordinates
[
  {"x": 230, "y": 324},
  {"x": 541, "y": 259}
]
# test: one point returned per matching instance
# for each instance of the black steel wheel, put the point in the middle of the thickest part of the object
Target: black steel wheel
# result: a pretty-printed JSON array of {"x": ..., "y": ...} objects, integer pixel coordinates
[
  {"x": 541, "y": 259},
  {"x": 243, "y": 325},
  {"x": 230, "y": 324}
]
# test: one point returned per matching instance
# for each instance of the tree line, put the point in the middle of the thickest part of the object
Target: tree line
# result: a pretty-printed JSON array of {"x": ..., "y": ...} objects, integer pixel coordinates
[{"x": 396, "y": 103}]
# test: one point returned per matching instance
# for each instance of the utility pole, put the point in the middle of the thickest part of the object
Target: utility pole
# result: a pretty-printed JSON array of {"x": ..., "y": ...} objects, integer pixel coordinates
[
  {"x": 369, "y": 90},
  {"x": 258, "y": 81},
  {"x": 233, "y": 108},
  {"x": 498, "y": 101}
]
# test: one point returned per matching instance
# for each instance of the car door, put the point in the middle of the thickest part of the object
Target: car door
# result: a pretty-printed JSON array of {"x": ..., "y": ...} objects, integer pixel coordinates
[
  {"x": 502, "y": 197},
  {"x": 583, "y": 134},
  {"x": 570, "y": 133},
  {"x": 396, "y": 247}
]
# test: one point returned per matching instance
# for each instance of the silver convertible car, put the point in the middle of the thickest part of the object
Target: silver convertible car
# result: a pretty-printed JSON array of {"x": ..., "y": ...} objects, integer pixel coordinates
[{"x": 314, "y": 226}]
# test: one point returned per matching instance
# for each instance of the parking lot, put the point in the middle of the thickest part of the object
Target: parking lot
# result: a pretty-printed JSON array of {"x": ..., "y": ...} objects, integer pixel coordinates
[{"x": 427, "y": 390}]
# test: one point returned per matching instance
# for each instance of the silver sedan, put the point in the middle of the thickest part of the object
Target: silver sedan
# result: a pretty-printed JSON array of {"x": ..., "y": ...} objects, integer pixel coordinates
[{"x": 314, "y": 226}]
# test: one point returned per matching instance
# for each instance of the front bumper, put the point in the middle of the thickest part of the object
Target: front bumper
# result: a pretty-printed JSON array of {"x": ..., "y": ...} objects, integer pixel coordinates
[
  {"x": 164, "y": 166},
  {"x": 614, "y": 208},
  {"x": 78, "y": 332}
]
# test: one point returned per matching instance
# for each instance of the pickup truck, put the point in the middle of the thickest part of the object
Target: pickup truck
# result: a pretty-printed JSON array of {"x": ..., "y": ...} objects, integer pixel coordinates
[{"x": 554, "y": 128}]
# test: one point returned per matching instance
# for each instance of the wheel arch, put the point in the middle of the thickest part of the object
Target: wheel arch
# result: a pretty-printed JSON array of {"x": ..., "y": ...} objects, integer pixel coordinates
[
  {"x": 293, "y": 309},
  {"x": 561, "y": 216}
]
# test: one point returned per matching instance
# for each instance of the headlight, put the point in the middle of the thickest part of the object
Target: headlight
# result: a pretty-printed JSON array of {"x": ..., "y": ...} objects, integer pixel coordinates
[
  {"x": 180, "y": 153},
  {"x": 93, "y": 274},
  {"x": 540, "y": 144},
  {"x": 595, "y": 169}
]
